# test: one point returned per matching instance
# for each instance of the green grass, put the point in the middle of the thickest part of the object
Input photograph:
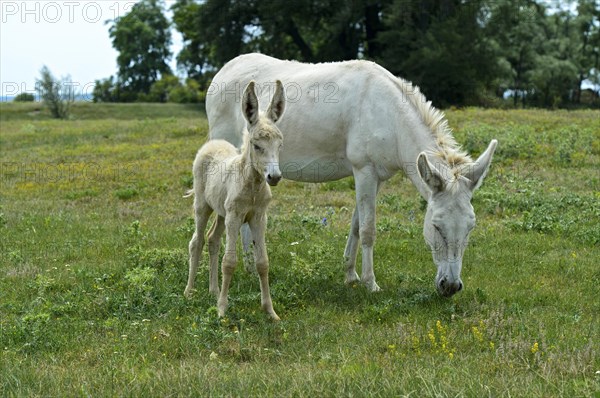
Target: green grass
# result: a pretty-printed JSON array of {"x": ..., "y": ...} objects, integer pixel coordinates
[{"x": 93, "y": 263}]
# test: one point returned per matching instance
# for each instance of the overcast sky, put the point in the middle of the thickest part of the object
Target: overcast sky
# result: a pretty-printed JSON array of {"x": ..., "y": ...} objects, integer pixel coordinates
[{"x": 70, "y": 37}]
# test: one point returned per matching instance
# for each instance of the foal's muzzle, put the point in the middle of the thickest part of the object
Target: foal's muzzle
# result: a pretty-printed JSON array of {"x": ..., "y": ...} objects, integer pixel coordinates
[
  {"x": 273, "y": 174},
  {"x": 273, "y": 180}
]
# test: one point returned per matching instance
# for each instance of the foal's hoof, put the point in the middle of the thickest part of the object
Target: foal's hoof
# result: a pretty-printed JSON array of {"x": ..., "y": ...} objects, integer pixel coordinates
[
  {"x": 274, "y": 317},
  {"x": 188, "y": 293}
]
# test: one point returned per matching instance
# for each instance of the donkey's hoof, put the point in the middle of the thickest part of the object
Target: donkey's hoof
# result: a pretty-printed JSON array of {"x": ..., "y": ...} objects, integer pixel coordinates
[
  {"x": 351, "y": 278},
  {"x": 188, "y": 293},
  {"x": 222, "y": 307},
  {"x": 372, "y": 286}
]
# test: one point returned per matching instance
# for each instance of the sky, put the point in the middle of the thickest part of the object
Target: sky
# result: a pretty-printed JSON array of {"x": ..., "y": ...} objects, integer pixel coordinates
[{"x": 70, "y": 37}]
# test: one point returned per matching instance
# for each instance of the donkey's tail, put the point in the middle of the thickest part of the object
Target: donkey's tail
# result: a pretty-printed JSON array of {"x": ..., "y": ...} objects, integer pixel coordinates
[{"x": 189, "y": 193}]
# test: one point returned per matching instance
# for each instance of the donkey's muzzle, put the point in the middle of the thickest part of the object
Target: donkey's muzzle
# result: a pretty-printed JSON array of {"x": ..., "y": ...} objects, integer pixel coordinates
[{"x": 447, "y": 288}]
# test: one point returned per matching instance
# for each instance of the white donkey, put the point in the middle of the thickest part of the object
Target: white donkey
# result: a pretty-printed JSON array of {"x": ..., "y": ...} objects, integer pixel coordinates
[
  {"x": 356, "y": 118},
  {"x": 233, "y": 184}
]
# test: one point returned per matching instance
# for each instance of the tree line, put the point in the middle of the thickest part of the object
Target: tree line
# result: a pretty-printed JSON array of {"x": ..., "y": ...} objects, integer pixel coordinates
[{"x": 460, "y": 52}]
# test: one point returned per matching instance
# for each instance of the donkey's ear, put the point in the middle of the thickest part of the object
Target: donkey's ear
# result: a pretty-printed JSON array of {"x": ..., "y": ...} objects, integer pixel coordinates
[
  {"x": 429, "y": 174},
  {"x": 250, "y": 104},
  {"x": 277, "y": 106},
  {"x": 478, "y": 171}
]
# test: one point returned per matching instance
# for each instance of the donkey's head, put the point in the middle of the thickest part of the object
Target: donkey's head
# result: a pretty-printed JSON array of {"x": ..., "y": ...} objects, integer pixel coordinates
[
  {"x": 264, "y": 138},
  {"x": 450, "y": 216}
]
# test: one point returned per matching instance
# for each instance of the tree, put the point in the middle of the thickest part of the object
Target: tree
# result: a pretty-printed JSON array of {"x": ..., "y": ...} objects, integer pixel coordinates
[
  {"x": 216, "y": 31},
  {"x": 213, "y": 33},
  {"x": 460, "y": 52},
  {"x": 517, "y": 28},
  {"x": 441, "y": 46},
  {"x": 57, "y": 95},
  {"x": 143, "y": 39},
  {"x": 587, "y": 32},
  {"x": 106, "y": 90}
]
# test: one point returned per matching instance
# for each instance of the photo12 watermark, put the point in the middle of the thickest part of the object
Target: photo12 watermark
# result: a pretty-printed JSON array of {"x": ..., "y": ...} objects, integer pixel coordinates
[
  {"x": 73, "y": 173},
  {"x": 317, "y": 92},
  {"x": 69, "y": 90},
  {"x": 63, "y": 11}
]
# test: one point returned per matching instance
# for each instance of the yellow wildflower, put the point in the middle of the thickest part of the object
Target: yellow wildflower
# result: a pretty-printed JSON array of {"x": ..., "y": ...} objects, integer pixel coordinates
[{"x": 535, "y": 348}]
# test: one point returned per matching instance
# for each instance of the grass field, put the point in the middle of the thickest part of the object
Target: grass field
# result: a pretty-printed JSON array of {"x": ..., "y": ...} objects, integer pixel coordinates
[{"x": 93, "y": 263}]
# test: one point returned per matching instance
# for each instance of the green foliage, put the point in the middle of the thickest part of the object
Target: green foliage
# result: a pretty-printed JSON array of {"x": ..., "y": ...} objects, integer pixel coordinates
[
  {"x": 91, "y": 286},
  {"x": 188, "y": 93},
  {"x": 440, "y": 48},
  {"x": 142, "y": 38},
  {"x": 106, "y": 90},
  {"x": 159, "y": 92},
  {"x": 170, "y": 89},
  {"x": 459, "y": 52},
  {"x": 24, "y": 97},
  {"x": 57, "y": 95},
  {"x": 126, "y": 193}
]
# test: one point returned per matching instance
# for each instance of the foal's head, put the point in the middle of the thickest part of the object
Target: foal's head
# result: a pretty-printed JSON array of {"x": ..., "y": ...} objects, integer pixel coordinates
[{"x": 264, "y": 138}]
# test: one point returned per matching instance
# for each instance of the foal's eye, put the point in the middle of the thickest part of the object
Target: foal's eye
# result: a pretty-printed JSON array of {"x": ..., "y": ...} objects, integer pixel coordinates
[{"x": 257, "y": 148}]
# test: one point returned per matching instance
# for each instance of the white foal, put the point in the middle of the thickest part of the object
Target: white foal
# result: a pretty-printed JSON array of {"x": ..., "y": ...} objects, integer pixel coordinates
[{"x": 234, "y": 185}]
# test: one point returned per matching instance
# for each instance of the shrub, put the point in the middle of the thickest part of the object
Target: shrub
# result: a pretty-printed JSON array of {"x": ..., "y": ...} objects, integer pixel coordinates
[
  {"x": 56, "y": 95},
  {"x": 106, "y": 90},
  {"x": 160, "y": 90},
  {"x": 190, "y": 93},
  {"x": 24, "y": 97}
]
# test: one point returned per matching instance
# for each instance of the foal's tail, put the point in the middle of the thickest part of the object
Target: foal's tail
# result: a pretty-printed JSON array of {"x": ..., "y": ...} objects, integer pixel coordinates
[{"x": 189, "y": 193}]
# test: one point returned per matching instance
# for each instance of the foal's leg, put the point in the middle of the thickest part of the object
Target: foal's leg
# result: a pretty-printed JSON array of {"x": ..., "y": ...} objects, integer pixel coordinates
[
  {"x": 352, "y": 249},
  {"x": 367, "y": 184},
  {"x": 214, "y": 245},
  {"x": 201, "y": 214},
  {"x": 232, "y": 228},
  {"x": 258, "y": 225},
  {"x": 247, "y": 247}
]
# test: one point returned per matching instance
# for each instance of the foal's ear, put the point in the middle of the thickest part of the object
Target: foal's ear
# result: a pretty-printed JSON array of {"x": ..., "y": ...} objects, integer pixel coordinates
[
  {"x": 429, "y": 174},
  {"x": 277, "y": 103},
  {"x": 250, "y": 104},
  {"x": 478, "y": 171}
]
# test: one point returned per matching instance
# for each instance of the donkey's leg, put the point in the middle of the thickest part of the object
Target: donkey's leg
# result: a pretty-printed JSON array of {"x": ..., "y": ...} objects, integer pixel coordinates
[
  {"x": 232, "y": 228},
  {"x": 367, "y": 184},
  {"x": 352, "y": 250},
  {"x": 258, "y": 225},
  {"x": 201, "y": 214},
  {"x": 214, "y": 245},
  {"x": 247, "y": 247}
]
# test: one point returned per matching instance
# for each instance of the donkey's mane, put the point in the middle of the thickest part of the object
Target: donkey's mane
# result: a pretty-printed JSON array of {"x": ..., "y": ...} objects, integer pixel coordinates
[{"x": 447, "y": 149}]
